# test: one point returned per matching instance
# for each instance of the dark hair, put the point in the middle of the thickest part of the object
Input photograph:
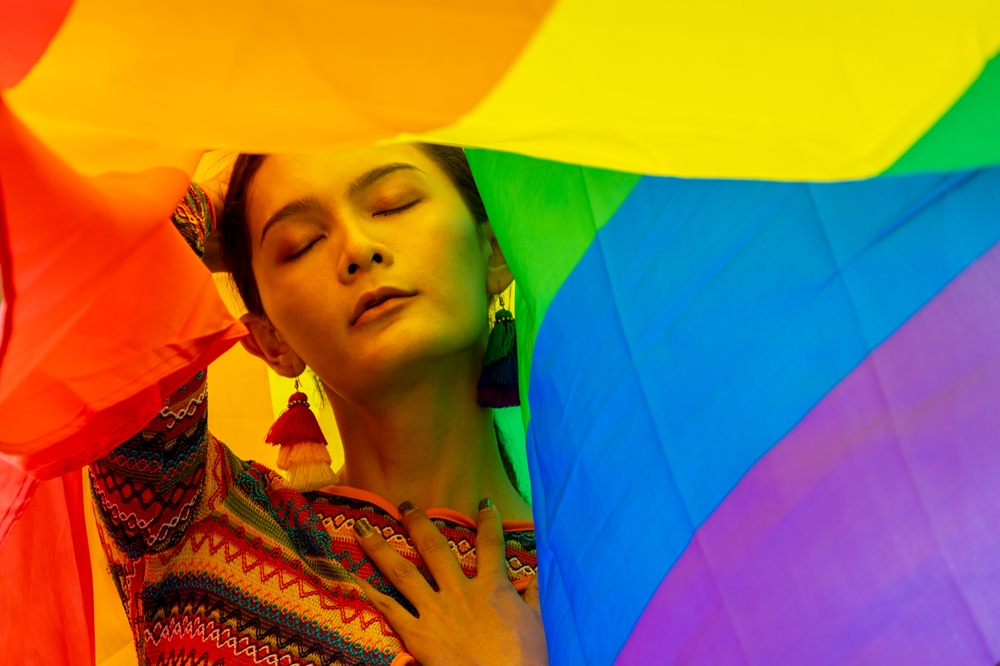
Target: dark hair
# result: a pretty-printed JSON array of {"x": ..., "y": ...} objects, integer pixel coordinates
[{"x": 235, "y": 245}]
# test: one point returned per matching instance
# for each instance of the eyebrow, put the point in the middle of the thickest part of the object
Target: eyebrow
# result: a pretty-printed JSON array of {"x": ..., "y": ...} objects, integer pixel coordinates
[
  {"x": 302, "y": 205},
  {"x": 369, "y": 178}
]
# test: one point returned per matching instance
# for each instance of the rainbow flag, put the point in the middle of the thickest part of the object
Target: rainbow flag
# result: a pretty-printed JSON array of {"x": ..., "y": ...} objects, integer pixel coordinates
[{"x": 758, "y": 290}]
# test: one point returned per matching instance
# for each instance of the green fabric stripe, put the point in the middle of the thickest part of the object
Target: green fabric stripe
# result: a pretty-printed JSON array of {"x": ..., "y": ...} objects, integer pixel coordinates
[
  {"x": 967, "y": 136},
  {"x": 531, "y": 202}
]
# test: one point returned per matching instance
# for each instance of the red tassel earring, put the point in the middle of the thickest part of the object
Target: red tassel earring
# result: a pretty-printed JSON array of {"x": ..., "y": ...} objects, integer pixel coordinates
[{"x": 302, "y": 453}]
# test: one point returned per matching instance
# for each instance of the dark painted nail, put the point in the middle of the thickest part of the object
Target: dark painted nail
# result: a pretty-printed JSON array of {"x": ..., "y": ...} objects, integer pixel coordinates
[
  {"x": 406, "y": 507},
  {"x": 485, "y": 504},
  {"x": 363, "y": 528}
]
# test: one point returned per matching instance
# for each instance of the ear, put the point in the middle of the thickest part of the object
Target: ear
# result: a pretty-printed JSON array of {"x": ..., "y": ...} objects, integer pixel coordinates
[
  {"x": 265, "y": 342},
  {"x": 498, "y": 275}
]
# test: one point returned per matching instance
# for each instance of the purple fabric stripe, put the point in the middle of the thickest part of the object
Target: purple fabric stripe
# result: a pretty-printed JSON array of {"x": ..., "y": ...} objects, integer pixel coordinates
[{"x": 870, "y": 534}]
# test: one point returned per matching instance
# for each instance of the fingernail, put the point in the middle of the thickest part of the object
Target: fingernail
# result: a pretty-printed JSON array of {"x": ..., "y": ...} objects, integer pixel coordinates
[
  {"x": 485, "y": 504},
  {"x": 406, "y": 507},
  {"x": 363, "y": 528}
]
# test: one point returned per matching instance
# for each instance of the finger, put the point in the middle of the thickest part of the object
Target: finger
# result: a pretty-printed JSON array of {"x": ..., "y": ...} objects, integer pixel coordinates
[
  {"x": 491, "y": 549},
  {"x": 403, "y": 575},
  {"x": 433, "y": 547},
  {"x": 531, "y": 596},
  {"x": 398, "y": 617}
]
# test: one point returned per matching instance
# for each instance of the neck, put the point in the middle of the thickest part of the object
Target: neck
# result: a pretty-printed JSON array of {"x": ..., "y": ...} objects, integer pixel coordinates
[{"x": 427, "y": 442}]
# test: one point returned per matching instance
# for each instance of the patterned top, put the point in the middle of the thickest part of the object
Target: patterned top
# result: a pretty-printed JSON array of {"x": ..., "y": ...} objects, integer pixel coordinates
[{"x": 217, "y": 561}]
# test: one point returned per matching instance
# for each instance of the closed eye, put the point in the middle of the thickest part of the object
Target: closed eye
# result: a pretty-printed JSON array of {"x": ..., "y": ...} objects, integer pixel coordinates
[
  {"x": 399, "y": 209},
  {"x": 293, "y": 257}
]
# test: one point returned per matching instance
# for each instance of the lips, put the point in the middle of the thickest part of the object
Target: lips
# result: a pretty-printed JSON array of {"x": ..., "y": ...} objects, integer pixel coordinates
[{"x": 373, "y": 299}]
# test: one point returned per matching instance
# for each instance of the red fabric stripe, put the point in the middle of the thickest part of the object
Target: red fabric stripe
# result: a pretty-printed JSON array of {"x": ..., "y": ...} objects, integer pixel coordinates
[
  {"x": 73, "y": 491},
  {"x": 16, "y": 489},
  {"x": 26, "y": 28},
  {"x": 6, "y": 284},
  {"x": 47, "y": 605},
  {"x": 113, "y": 310}
]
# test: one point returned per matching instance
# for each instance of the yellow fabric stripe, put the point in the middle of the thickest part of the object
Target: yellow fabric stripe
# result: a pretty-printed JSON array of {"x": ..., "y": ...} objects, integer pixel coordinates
[{"x": 784, "y": 90}]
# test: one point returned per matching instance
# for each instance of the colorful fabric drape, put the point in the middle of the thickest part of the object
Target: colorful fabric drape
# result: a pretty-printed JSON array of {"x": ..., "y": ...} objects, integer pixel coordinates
[
  {"x": 811, "y": 374},
  {"x": 755, "y": 249}
]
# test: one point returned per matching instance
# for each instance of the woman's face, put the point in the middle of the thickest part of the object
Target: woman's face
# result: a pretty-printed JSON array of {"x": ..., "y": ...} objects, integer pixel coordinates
[{"x": 368, "y": 263}]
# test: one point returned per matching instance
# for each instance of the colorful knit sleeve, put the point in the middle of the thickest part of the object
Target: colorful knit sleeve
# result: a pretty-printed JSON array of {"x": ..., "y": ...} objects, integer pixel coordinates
[{"x": 146, "y": 491}]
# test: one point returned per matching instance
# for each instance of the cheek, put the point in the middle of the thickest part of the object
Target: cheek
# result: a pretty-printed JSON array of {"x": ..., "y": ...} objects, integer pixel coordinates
[
  {"x": 305, "y": 305},
  {"x": 455, "y": 267},
  {"x": 442, "y": 254}
]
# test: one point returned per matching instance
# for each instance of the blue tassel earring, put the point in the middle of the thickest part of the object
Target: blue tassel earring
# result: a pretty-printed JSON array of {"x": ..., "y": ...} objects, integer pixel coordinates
[{"x": 498, "y": 383}]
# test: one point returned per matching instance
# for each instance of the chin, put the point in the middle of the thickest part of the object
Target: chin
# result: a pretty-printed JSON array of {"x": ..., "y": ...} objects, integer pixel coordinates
[{"x": 403, "y": 349}]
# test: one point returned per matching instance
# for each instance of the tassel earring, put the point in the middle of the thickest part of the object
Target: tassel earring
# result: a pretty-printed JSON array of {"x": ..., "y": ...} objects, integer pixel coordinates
[
  {"x": 498, "y": 383},
  {"x": 302, "y": 453}
]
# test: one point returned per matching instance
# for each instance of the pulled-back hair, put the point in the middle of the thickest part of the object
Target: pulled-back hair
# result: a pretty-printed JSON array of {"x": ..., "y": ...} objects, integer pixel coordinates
[
  {"x": 236, "y": 248},
  {"x": 234, "y": 232}
]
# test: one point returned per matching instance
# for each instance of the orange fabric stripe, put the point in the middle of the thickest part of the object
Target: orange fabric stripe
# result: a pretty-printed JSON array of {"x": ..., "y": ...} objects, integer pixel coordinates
[
  {"x": 83, "y": 370},
  {"x": 292, "y": 75}
]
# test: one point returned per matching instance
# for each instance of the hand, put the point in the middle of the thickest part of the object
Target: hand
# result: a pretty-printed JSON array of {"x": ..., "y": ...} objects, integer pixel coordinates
[{"x": 480, "y": 621}]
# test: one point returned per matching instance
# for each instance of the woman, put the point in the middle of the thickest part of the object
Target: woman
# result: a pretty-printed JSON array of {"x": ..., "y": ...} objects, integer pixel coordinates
[{"x": 374, "y": 268}]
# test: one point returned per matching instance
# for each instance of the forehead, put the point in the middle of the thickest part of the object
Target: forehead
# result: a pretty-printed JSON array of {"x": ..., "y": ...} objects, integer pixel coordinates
[{"x": 282, "y": 178}]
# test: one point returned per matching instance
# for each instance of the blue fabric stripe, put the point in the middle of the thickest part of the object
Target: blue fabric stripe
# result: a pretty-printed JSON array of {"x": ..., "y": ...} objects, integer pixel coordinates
[{"x": 701, "y": 325}]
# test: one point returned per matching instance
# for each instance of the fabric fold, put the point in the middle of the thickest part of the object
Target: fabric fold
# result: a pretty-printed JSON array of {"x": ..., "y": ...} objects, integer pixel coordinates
[
  {"x": 47, "y": 605},
  {"x": 26, "y": 28},
  {"x": 80, "y": 254}
]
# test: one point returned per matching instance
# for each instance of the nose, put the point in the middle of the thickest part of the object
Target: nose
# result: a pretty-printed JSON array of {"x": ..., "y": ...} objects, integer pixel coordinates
[{"x": 361, "y": 253}]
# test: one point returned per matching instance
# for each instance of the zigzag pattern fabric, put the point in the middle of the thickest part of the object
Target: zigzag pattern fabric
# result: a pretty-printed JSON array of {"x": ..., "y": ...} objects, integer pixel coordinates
[{"x": 218, "y": 561}]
